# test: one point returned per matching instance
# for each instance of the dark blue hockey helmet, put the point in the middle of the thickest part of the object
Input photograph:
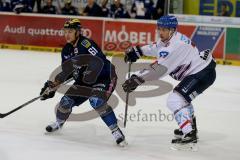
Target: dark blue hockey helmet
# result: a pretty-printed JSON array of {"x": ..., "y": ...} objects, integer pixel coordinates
[
  {"x": 167, "y": 22},
  {"x": 73, "y": 24}
]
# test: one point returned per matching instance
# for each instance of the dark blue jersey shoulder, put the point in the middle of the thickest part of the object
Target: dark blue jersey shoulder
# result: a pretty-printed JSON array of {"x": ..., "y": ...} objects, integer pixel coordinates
[
  {"x": 88, "y": 47},
  {"x": 84, "y": 46}
]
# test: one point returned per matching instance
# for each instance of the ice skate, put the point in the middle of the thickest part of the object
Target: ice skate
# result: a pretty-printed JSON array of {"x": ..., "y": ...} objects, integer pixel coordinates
[
  {"x": 54, "y": 126},
  {"x": 119, "y": 137},
  {"x": 187, "y": 142},
  {"x": 178, "y": 132}
]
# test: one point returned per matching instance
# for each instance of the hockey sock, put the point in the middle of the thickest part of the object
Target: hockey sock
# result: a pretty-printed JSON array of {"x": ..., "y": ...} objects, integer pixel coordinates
[
  {"x": 183, "y": 119},
  {"x": 110, "y": 119}
]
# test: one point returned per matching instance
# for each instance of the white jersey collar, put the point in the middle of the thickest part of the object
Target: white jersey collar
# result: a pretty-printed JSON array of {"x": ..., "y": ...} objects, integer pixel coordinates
[{"x": 161, "y": 43}]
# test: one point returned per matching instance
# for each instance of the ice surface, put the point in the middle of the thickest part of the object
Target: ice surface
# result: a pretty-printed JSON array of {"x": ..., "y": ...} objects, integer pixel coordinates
[{"x": 22, "y": 134}]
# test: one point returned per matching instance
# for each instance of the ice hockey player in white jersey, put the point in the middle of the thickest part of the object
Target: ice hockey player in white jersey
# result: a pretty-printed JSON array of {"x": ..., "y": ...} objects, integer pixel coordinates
[{"x": 178, "y": 57}]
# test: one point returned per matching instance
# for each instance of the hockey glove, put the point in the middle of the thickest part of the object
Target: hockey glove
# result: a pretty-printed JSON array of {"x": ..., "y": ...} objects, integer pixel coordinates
[
  {"x": 132, "y": 54},
  {"x": 48, "y": 90},
  {"x": 132, "y": 83}
]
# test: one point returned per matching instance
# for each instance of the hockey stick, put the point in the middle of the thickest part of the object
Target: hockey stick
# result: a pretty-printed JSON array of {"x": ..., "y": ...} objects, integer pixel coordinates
[
  {"x": 127, "y": 96},
  {"x": 2, "y": 115}
]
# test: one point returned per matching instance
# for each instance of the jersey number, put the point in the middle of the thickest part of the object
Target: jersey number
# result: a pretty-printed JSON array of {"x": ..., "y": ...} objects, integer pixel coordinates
[{"x": 93, "y": 51}]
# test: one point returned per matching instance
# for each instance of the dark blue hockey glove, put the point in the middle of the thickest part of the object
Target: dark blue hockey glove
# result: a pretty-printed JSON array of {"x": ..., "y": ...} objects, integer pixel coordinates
[
  {"x": 48, "y": 90},
  {"x": 132, "y": 54},
  {"x": 132, "y": 83}
]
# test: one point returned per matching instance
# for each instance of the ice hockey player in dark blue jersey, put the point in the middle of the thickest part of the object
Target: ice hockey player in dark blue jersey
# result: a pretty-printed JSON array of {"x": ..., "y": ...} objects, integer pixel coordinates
[{"x": 94, "y": 76}]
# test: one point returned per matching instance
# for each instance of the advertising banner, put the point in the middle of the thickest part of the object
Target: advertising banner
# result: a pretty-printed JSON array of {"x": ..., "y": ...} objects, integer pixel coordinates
[
  {"x": 119, "y": 35},
  {"x": 209, "y": 38},
  {"x": 42, "y": 31},
  {"x": 211, "y": 7},
  {"x": 233, "y": 43},
  {"x": 112, "y": 36}
]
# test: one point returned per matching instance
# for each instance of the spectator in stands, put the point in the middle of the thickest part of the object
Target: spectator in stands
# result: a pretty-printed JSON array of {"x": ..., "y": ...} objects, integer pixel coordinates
[
  {"x": 49, "y": 8},
  {"x": 92, "y": 9},
  {"x": 14, "y": 3},
  {"x": 224, "y": 10},
  {"x": 1, "y": 5},
  {"x": 20, "y": 6},
  {"x": 5, "y": 6},
  {"x": 117, "y": 10},
  {"x": 68, "y": 9},
  {"x": 159, "y": 12},
  {"x": 105, "y": 10},
  {"x": 150, "y": 9},
  {"x": 143, "y": 9},
  {"x": 39, "y": 7}
]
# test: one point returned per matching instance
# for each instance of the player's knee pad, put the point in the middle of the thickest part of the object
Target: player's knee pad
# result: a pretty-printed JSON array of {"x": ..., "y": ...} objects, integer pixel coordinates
[
  {"x": 65, "y": 108},
  {"x": 175, "y": 102},
  {"x": 100, "y": 105},
  {"x": 66, "y": 104},
  {"x": 96, "y": 102}
]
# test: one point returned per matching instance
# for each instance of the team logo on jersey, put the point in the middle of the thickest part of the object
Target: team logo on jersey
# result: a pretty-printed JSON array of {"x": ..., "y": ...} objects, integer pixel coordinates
[
  {"x": 75, "y": 50},
  {"x": 86, "y": 43},
  {"x": 163, "y": 54}
]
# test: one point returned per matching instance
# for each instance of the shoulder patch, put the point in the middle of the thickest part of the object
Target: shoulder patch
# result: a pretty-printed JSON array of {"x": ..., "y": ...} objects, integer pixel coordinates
[{"x": 86, "y": 43}]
